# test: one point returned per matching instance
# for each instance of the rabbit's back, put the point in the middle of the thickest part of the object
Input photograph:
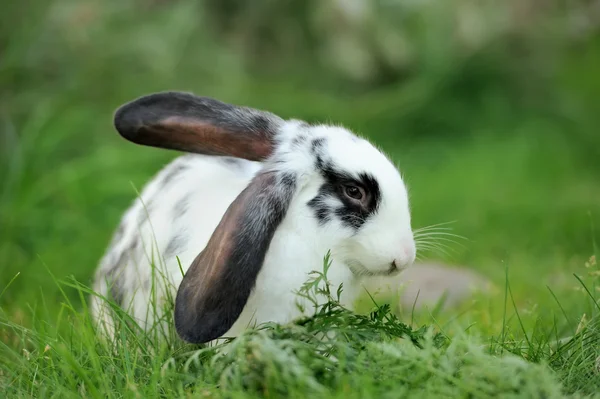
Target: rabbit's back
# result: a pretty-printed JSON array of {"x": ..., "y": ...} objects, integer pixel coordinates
[{"x": 173, "y": 218}]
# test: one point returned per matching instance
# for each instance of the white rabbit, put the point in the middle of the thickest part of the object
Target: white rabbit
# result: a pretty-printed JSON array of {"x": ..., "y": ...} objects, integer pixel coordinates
[{"x": 249, "y": 219}]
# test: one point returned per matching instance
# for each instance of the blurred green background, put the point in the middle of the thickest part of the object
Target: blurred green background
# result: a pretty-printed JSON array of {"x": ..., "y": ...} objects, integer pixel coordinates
[{"x": 491, "y": 109}]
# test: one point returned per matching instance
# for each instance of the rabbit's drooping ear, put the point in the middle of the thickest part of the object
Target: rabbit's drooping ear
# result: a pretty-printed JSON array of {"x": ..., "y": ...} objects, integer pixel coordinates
[
  {"x": 185, "y": 122},
  {"x": 216, "y": 287}
]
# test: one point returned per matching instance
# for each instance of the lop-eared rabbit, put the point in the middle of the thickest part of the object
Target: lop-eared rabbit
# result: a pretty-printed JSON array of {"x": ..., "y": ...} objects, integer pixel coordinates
[{"x": 232, "y": 229}]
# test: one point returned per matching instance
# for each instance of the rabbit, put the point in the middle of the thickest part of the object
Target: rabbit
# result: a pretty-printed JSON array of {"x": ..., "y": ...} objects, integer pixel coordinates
[{"x": 234, "y": 226}]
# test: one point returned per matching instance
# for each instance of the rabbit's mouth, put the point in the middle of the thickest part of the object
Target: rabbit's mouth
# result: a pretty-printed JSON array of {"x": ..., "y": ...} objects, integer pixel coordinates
[{"x": 360, "y": 270}]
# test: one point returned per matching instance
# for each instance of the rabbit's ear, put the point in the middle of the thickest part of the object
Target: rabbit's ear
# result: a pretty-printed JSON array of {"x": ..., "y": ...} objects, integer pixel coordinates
[
  {"x": 185, "y": 122},
  {"x": 217, "y": 285}
]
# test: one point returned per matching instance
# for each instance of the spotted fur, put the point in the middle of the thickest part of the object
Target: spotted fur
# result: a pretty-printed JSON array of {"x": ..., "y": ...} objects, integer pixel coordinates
[{"x": 249, "y": 225}]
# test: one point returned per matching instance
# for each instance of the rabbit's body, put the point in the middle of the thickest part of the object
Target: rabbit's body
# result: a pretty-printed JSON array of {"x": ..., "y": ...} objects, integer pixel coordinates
[
  {"x": 248, "y": 227},
  {"x": 174, "y": 218}
]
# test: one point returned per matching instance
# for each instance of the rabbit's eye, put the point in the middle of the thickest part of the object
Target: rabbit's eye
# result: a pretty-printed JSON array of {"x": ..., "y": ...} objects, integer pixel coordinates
[{"x": 354, "y": 192}]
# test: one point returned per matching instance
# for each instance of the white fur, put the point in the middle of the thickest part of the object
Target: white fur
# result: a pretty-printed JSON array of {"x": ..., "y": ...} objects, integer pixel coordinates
[{"x": 298, "y": 246}]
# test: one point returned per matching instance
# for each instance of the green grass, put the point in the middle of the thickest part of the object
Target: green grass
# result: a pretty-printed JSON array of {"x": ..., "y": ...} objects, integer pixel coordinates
[
  {"x": 511, "y": 157},
  {"x": 333, "y": 353}
]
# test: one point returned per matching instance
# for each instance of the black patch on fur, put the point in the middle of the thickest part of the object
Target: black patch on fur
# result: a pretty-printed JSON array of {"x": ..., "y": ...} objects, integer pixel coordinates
[
  {"x": 288, "y": 180},
  {"x": 132, "y": 249},
  {"x": 172, "y": 173},
  {"x": 114, "y": 280},
  {"x": 323, "y": 212},
  {"x": 317, "y": 144},
  {"x": 117, "y": 290},
  {"x": 317, "y": 151},
  {"x": 145, "y": 212},
  {"x": 114, "y": 275},
  {"x": 181, "y": 207},
  {"x": 175, "y": 245},
  {"x": 232, "y": 162},
  {"x": 299, "y": 140},
  {"x": 350, "y": 213},
  {"x": 117, "y": 236},
  {"x": 280, "y": 161}
]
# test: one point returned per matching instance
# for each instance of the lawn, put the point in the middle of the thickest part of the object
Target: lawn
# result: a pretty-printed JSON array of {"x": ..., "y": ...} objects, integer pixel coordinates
[{"x": 502, "y": 145}]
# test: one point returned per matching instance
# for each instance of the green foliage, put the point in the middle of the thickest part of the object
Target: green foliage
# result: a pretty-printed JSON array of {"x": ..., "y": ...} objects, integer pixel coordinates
[{"x": 331, "y": 353}]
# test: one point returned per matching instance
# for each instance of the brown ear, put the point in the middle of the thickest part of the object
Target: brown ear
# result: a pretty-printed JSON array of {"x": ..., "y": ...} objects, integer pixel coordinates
[
  {"x": 216, "y": 287},
  {"x": 185, "y": 122}
]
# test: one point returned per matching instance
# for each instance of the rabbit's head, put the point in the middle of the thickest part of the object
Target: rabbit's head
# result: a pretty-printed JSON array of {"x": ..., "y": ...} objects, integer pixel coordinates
[{"x": 319, "y": 176}]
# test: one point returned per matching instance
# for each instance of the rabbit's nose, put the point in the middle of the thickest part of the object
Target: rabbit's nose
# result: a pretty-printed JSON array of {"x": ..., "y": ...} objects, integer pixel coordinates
[
  {"x": 410, "y": 251},
  {"x": 406, "y": 256}
]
